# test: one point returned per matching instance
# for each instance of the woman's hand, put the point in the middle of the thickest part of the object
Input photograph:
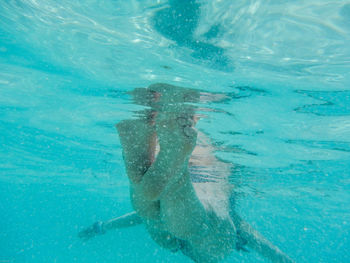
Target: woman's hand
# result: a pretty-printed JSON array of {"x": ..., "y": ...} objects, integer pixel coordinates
[{"x": 94, "y": 230}]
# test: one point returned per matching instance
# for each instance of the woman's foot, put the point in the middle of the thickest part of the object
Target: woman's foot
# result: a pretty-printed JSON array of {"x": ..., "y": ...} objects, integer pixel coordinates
[{"x": 176, "y": 133}]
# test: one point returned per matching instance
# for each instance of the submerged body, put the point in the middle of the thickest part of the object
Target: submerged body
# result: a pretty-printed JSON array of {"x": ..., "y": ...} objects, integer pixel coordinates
[
  {"x": 174, "y": 215},
  {"x": 159, "y": 150}
]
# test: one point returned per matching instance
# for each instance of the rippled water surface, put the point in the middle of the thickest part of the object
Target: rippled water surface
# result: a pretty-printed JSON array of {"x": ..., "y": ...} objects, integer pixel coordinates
[{"x": 66, "y": 68}]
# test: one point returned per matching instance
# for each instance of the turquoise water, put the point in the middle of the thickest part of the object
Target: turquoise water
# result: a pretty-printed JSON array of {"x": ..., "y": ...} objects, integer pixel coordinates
[{"x": 65, "y": 68}]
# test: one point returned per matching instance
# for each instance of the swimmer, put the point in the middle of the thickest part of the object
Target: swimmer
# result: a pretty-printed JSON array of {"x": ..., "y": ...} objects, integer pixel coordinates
[{"x": 160, "y": 150}]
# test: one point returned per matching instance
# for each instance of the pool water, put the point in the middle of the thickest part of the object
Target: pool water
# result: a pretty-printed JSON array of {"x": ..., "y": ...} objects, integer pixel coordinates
[{"x": 66, "y": 68}]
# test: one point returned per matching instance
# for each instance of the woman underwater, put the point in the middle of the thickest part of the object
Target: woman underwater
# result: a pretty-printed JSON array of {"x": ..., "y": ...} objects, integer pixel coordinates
[{"x": 161, "y": 150}]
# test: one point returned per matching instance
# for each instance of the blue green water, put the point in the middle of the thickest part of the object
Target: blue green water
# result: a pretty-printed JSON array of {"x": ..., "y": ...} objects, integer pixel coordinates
[{"x": 65, "y": 68}]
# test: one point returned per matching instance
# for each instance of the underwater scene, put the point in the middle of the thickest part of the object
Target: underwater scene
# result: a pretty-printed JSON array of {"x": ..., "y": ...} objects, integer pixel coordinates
[{"x": 174, "y": 131}]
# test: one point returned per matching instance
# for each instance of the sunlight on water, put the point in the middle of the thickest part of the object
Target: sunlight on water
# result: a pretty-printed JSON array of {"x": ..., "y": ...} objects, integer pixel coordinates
[{"x": 66, "y": 70}]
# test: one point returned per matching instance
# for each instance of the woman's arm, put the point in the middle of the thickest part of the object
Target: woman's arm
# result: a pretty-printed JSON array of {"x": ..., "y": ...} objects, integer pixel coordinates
[
  {"x": 259, "y": 243},
  {"x": 100, "y": 228},
  {"x": 127, "y": 220}
]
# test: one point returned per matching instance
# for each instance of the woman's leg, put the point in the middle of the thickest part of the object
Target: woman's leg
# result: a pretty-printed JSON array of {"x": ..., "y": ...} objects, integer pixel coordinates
[
  {"x": 177, "y": 139},
  {"x": 138, "y": 140}
]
